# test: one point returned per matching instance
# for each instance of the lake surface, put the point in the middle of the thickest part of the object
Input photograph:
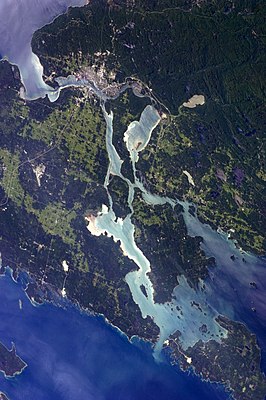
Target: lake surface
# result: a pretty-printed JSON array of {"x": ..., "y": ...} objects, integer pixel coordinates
[
  {"x": 18, "y": 22},
  {"x": 228, "y": 290},
  {"x": 75, "y": 356}
]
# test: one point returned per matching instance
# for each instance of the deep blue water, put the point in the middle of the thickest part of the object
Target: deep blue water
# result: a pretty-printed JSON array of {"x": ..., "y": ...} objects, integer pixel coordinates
[{"x": 74, "y": 356}]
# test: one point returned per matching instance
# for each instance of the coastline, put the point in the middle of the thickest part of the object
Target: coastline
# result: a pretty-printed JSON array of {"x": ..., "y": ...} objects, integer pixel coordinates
[
  {"x": 86, "y": 311},
  {"x": 139, "y": 345}
]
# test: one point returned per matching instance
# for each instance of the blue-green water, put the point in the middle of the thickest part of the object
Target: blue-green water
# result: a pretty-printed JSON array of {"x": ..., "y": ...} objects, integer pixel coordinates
[{"x": 74, "y": 356}]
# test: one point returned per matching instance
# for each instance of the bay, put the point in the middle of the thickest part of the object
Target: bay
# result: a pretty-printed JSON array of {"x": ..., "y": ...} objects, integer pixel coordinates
[{"x": 72, "y": 355}]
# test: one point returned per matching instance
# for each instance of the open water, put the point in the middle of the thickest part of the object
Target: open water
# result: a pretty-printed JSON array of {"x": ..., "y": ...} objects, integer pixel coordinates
[
  {"x": 79, "y": 357},
  {"x": 71, "y": 355}
]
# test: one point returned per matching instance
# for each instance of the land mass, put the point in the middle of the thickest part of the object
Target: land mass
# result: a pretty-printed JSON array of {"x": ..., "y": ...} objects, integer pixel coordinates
[
  {"x": 213, "y": 360},
  {"x": 10, "y": 363},
  {"x": 53, "y": 163},
  {"x": 3, "y": 396}
]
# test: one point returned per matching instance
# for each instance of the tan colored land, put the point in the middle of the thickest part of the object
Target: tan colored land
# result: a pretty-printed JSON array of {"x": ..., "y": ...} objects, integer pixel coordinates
[
  {"x": 189, "y": 177},
  {"x": 194, "y": 101}
]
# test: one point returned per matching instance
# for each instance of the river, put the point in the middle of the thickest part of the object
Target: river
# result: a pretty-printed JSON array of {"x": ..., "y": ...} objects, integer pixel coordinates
[{"x": 73, "y": 355}]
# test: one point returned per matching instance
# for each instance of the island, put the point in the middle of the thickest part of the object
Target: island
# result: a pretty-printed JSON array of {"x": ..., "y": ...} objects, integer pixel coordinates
[
  {"x": 72, "y": 191},
  {"x": 3, "y": 396},
  {"x": 10, "y": 363}
]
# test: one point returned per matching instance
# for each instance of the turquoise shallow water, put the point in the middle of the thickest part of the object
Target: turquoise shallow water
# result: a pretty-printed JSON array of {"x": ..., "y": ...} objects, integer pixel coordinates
[
  {"x": 74, "y": 356},
  {"x": 71, "y": 355}
]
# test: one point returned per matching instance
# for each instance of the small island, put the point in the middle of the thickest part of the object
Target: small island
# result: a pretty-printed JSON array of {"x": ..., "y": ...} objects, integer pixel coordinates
[
  {"x": 10, "y": 363},
  {"x": 3, "y": 396}
]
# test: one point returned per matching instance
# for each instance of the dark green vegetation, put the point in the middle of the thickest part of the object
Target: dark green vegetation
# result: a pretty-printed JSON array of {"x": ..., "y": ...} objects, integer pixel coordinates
[
  {"x": 53, "y": 160},
  {"x": 217, "y": 361},
  {"x": 171, "y": 251},
  {"x": 43, "y": 222},
  {"x": 180, "y": 49},
  {"x": 160, "y": 233},
  {"x": 10, "y": 363}
]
